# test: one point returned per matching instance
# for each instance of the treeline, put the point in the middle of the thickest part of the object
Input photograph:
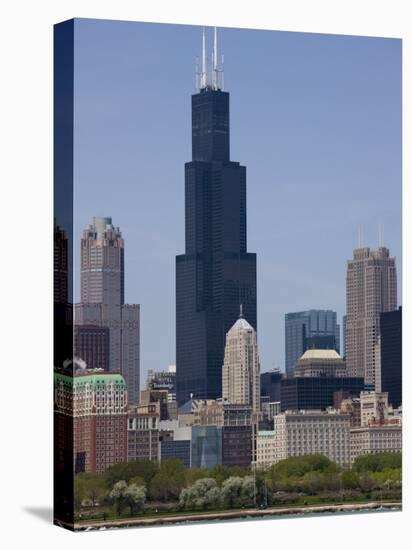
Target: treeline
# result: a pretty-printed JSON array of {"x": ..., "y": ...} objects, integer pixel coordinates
[{"x": 146, "y": 486}]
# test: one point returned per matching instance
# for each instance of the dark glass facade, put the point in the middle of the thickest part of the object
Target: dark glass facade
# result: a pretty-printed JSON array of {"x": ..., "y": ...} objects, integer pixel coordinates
[
  {"x": 216, "y": 274},
  {"x": 237, "y": 446},
  {"x": 270, "y": 385},
  {"x": 91, "y": 343},
  {"x": 316, "y": 393},
  {"x": 180, "y": 449},
  {"x": 391, "y": 355}
]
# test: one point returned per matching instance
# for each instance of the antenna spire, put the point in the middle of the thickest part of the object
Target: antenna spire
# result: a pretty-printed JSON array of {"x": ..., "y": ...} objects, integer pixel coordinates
[
  {"x": 360, "y": 236},
  {"x": 214, "y": 72},
  {"x": 241, "y": 311},
  {"x": 381, "y": 236},
  {"x": 204, "y": 73}
]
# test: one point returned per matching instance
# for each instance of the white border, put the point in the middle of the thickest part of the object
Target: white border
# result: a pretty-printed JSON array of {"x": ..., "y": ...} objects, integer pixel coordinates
[{"x": 26, "y": 268}]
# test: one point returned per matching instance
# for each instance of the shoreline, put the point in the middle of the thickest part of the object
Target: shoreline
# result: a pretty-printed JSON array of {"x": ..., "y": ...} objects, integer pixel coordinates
[{"x": 228, "y": 515}]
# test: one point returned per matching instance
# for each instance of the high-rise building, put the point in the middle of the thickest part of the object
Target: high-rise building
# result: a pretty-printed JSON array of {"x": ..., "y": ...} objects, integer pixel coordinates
[
  {"x": 91, "y": 343},
  {"x": 315, "y": 328},
  {"x": 391, "y": 355},
  {"x": 371, "y": 289},
  {"x": 216, "y": 273},
  {"x": 320, "y": 362},
  {"x": 270, "y": 384},
  {"x": 95, "y": 403},
  {"x": 311, "y": 432},
  {"x": 241, "y": 369},
  {"x": 143, "y": 432},
  {"x": 316, "y": 392},
  {"x": 102, "y": 299}
]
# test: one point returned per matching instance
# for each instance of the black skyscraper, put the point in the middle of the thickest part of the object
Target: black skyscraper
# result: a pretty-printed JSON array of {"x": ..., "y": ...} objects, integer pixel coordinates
[
  {"x": 216, "y": 274},
  {"x": 391, "y": 355}
]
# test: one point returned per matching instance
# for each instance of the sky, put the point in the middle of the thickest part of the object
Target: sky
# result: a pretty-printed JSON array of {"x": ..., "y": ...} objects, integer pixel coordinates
[{"x": 316, "y": 119}]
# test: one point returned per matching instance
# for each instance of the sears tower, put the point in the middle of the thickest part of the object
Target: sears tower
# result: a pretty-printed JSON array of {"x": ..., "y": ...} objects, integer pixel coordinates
[{"x": 216, "y": 274}]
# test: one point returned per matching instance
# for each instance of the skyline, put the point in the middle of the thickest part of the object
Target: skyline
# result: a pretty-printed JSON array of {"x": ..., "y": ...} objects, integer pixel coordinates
[{"x": 263, "y": 231}]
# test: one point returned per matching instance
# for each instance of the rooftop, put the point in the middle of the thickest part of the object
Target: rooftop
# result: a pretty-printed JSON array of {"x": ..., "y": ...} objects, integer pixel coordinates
[{"x": 321, "y": 354}]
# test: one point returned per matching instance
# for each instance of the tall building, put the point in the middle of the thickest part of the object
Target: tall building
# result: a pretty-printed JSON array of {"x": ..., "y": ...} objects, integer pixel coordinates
[
  {"x": 270, "y": 384},
  {"x": 216, "y": 273},
  {"x": 91, "y": 343},
  {"x": 391, "y": 355},
  {"x": 371, "y": 289},
  {"x": 320, "y": 362},
  {"x": 315, "y": 328},
  {"x": 102, "y": 299},
  {"x": 241, "y": 369},
  {"x": 95, "y": 403},
  {"x": 316, "y": 392},
  {"x": 143, "y": 432},
  {"x": 311, "y": 432}
]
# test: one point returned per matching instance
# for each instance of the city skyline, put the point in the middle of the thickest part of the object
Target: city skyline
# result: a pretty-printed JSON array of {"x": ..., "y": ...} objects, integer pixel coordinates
[{"x": 319, "y": 292}]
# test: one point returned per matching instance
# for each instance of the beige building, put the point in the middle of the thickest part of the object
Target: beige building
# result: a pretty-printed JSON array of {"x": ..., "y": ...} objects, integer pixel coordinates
[
  {"x": 265, "y": 449},
  {"x": 241, "y": 369},
  {"x": 320, "y": 362},
  {"x": 373, "y": 407},
  {"x": 371, "y": 289},
  {"x": 312, "y": 432},
  {"x": 375, "y": 439}
]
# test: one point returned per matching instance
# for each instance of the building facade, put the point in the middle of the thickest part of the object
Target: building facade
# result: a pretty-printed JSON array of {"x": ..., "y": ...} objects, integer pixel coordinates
[
  {"x": 315, "y": 328},
  {"x": 307, "y": 392},
  {"x": 270, "y": 384},
  {"x": 313, "y": 432},
  {"x": 371, "y": 288},
  {"x": 92, "y": 344},
  {"x": 96, "y": 403},
  {"x": 320, "y": 362},
  {"x": 375, "y": 439},
  {"x": 391, "y": 355},
  {"x": 102, "y": 299},
  {"x": 143, "y": 432},
  {"x": 216, "y": 273},
  {"x": 241, "y": 369}
]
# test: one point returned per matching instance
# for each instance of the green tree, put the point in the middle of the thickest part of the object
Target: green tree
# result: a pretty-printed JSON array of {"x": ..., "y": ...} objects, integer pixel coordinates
[
  {"x": 135, "y": 497},
  {"x": 202, "y": 495},
  {"x": 94, "y": 487},
  {"x": 298, "y": 466},
  {"x": 377, "y": 462},
  {"x": 350, "y": 479},
  {"x": 118, "y": 495},
  {"x": 79, "y": 493},
  {"x": 145, "y": 469},
  {"x": 238, "y": 491}
]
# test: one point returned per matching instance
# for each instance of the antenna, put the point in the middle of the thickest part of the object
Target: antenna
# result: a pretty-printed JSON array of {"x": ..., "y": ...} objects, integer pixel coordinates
[
  {"x": 360, "y": 237},
  {"x": 381, "y": 236},
  {"x": 203, "y": 78},
  {"x": 214, "y": 73},
  {"x": 241, "y": 311}
]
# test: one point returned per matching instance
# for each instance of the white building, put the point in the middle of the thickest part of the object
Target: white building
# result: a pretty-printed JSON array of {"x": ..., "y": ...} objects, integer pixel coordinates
[
  {"x": 265, "y": 449},
  {"x": 298, "y": 433},
  {"x": 373, "y": 407},
  {"x": 241, "y": 369},
  {"x": 375, "y": 439},
  {"x": 320, "y": 362}
]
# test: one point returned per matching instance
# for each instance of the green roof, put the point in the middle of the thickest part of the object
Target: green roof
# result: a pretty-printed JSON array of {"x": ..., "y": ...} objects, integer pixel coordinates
[{"x": 95, "y": 379}]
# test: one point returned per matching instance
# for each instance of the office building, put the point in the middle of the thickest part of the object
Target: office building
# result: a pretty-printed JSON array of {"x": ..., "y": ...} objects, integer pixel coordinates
[
  {"x": 270, "y": 384},
  {"x": 176, "y": 449},
  {"x": 143, "y": 432},
  {"x": 216, "y": 273},
  {"x": 102, "y": 299},
  {"x": 313, "y": 432},
  {"x": 391, "y": 355},
  {"x": 241, "y": 369},
  {"x": 320, "y": 362},
  {"x": 96, "y": 403},
  {"x": 265, "y": 449},
  {"x": 315, "y": 328},
  {"x": 307, "y": 392},
  {"x": 91, "y": 344},
  {"x": 206, "y": 446},
  {"x": 371, "y": 289},
  {"x": 375, "y": 439}
]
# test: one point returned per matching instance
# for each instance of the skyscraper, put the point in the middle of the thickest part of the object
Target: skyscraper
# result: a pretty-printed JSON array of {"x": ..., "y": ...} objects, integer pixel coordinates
[
  {"x": 241, "y": 369},
  {"x": 312, "y": 329},
  {"x": 391, "y": 355},
  {"x": 102, "y": 299},
  {"x": 216, "y": 274},
  {"x": 371, "y": 289}
]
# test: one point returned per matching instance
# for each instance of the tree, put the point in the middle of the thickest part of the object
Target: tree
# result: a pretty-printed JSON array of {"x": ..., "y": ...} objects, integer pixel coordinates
[
  {"x": 377, "y": 462},
  {"x": 238, "y": 491},
  {"x": 145, "y": 469},
  {"x": 350, "y": 480},
  {"x": 298, "y": 466},
  {"x": 135, "y": 497},
  {"x": 203, "y": 494},
  {"x": 79, "y": 493},
  {"x": 118, "y": 495},
  {"x": 94, "y": 487}
]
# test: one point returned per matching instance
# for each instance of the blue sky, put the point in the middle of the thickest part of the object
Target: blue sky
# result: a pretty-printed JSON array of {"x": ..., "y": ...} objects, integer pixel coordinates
[{"x": 316, "y": 119}]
